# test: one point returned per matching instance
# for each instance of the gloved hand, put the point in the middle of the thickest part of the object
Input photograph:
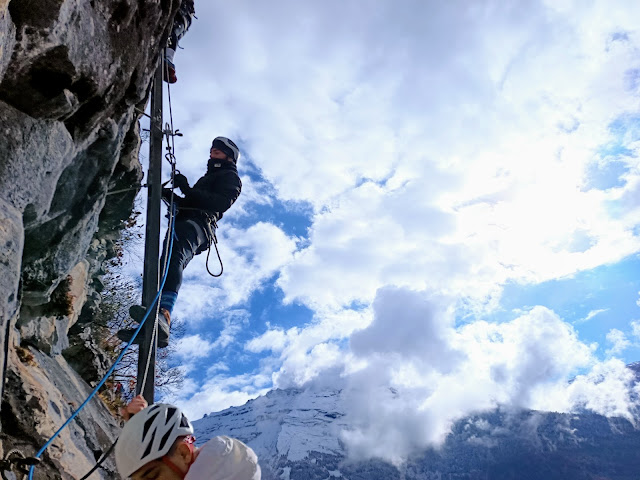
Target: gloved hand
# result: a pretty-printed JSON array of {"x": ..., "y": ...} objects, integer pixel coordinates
[
  {"x": 181, "y": 182},
  {"x": 166, "y": 195}
]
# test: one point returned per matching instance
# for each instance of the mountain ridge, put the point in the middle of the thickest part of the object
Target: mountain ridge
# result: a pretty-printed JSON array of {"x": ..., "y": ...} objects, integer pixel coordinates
[{"x": 297, "y": 435}]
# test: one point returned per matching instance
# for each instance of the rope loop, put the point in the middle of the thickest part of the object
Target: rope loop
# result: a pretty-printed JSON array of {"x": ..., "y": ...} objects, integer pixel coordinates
[{"x": 212, "y": 226}]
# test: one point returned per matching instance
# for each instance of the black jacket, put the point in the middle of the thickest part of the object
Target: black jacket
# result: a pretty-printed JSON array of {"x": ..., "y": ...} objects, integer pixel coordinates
[{"x": 213, "y": 194}]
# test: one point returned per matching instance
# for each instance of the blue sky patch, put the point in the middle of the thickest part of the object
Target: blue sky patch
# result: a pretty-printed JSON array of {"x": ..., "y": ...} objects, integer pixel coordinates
[
  {"x": 605, "y": 176},
  {"x": 609, "y": 293},
  {"x": 266, "y": 307},
  {"x": 608, "y": 171},
  {"x": 632, "y": 79}
]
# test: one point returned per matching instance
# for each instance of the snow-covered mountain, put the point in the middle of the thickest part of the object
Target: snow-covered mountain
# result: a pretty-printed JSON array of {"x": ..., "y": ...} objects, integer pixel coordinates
[
  {"x": 296, "y": 434},
  {"x": 284, "y": 427}
]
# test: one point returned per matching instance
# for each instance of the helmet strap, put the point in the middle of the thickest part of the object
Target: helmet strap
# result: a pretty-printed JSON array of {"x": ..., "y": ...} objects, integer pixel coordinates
[{"x": 174, "y": 467}]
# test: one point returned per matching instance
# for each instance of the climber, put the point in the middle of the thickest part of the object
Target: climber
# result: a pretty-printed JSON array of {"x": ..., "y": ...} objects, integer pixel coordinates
[
  {"x": 181, "y": 24},
  {"x": 202, "y": 205},
  {"x": 157, "y": 443}
]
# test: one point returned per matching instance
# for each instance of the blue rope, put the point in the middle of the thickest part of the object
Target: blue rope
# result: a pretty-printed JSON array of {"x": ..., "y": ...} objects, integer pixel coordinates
[{"x": 124, "y": 350}]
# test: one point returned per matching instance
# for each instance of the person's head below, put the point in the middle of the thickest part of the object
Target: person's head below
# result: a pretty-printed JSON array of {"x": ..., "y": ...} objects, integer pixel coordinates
[
  {"x": 224, "y": 149},
  {"x": 157, "y": 444}
]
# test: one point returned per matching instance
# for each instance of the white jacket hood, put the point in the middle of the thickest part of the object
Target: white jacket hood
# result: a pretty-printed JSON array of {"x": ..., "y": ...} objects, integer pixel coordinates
[{"x": 224, "y": 458}]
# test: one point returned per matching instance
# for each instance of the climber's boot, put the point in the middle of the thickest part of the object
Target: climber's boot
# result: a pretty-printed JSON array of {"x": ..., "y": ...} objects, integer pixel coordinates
[{"x": 138, "y": 312}]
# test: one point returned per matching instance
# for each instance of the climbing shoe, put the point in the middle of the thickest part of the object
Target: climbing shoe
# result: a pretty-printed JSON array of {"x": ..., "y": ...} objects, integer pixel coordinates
[
  {"x": 138, "y": 312},
  {"x": 170, "y": 72}
]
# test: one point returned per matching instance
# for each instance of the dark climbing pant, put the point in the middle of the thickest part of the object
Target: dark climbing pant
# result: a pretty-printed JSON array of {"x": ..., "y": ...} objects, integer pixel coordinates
[{"x": 189, "y": 239}]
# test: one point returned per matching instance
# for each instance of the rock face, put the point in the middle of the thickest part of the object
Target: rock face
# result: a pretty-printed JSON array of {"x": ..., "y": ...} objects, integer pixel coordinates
[
  {"x": 44, "y": 392},
  {"x": 74, "y": 75},
  {"x": 296, "y": 435}
]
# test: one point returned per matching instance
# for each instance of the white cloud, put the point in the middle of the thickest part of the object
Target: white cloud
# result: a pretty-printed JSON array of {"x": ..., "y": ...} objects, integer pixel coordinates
[
  {"x": 510, "y": 204},
  {"x": 193, "y": 346},
  {"x": 300, "y": 354},
  {"x": 188, "y": 387},
  {"x": 592, "y": 314},
  {"x": 250, "y": 257},
  {"x": 619, "y": 341},
  {"x": 638, "y": 301},
  {"x": 425, "y": 337},
  {"x": 197, "y": 300},
  {"x": 227, "y": 336},
  {"x": 406, "y": 398},
  {"x": 635, "y": 328},
  {"x": 607, "y": 389},
  {"x": 254, "y": 192},
  {"x": 273, "y": 340},
  {"x": 220, "y": 392},
  {"x": 233, "y": 322},
  {"x": 191, "y": 349},
  {"x": 217, "y": 368}
]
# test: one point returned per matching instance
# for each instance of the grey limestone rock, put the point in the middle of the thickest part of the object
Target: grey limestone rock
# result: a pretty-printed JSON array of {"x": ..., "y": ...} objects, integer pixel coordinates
[
  {"x": 7, "y": 37},
  {"x": 42, "y": 392},
  {"x": 33, "y": 155},
  {"x": 11, "y": 243},
  {"x": 47, "y": 326},
  {"x": 86, "y": 356}
]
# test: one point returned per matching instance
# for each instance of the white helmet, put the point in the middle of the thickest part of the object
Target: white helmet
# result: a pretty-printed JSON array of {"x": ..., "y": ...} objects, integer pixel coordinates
[{"x": 149, "y": 435}]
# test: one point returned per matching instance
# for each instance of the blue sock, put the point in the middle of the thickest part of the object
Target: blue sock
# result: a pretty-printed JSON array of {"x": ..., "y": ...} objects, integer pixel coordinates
[{"x": 168, "y": 300}]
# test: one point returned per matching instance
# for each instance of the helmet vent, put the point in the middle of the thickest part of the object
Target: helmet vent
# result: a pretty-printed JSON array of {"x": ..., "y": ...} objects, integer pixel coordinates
[
  {"x": 147, "y": 425},
  {"x": 184, "y": 422},
  {"x": 147, "y": 450},
  {"x": 164, "y": 439},
  {"x": 170, "y": 413}
]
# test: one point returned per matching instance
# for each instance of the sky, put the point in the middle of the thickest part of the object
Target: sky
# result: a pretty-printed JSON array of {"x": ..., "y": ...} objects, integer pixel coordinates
[{"x": 440, "y": 199}]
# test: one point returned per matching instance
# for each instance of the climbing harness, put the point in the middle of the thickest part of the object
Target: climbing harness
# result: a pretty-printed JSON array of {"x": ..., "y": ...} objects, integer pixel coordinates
[
  {"x": 15, "y": 460},
  {"x": 210, "y": 227}
]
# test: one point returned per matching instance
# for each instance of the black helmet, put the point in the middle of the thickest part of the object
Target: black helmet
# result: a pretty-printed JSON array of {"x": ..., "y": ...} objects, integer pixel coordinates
[{"x": 227, "y": 146}]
